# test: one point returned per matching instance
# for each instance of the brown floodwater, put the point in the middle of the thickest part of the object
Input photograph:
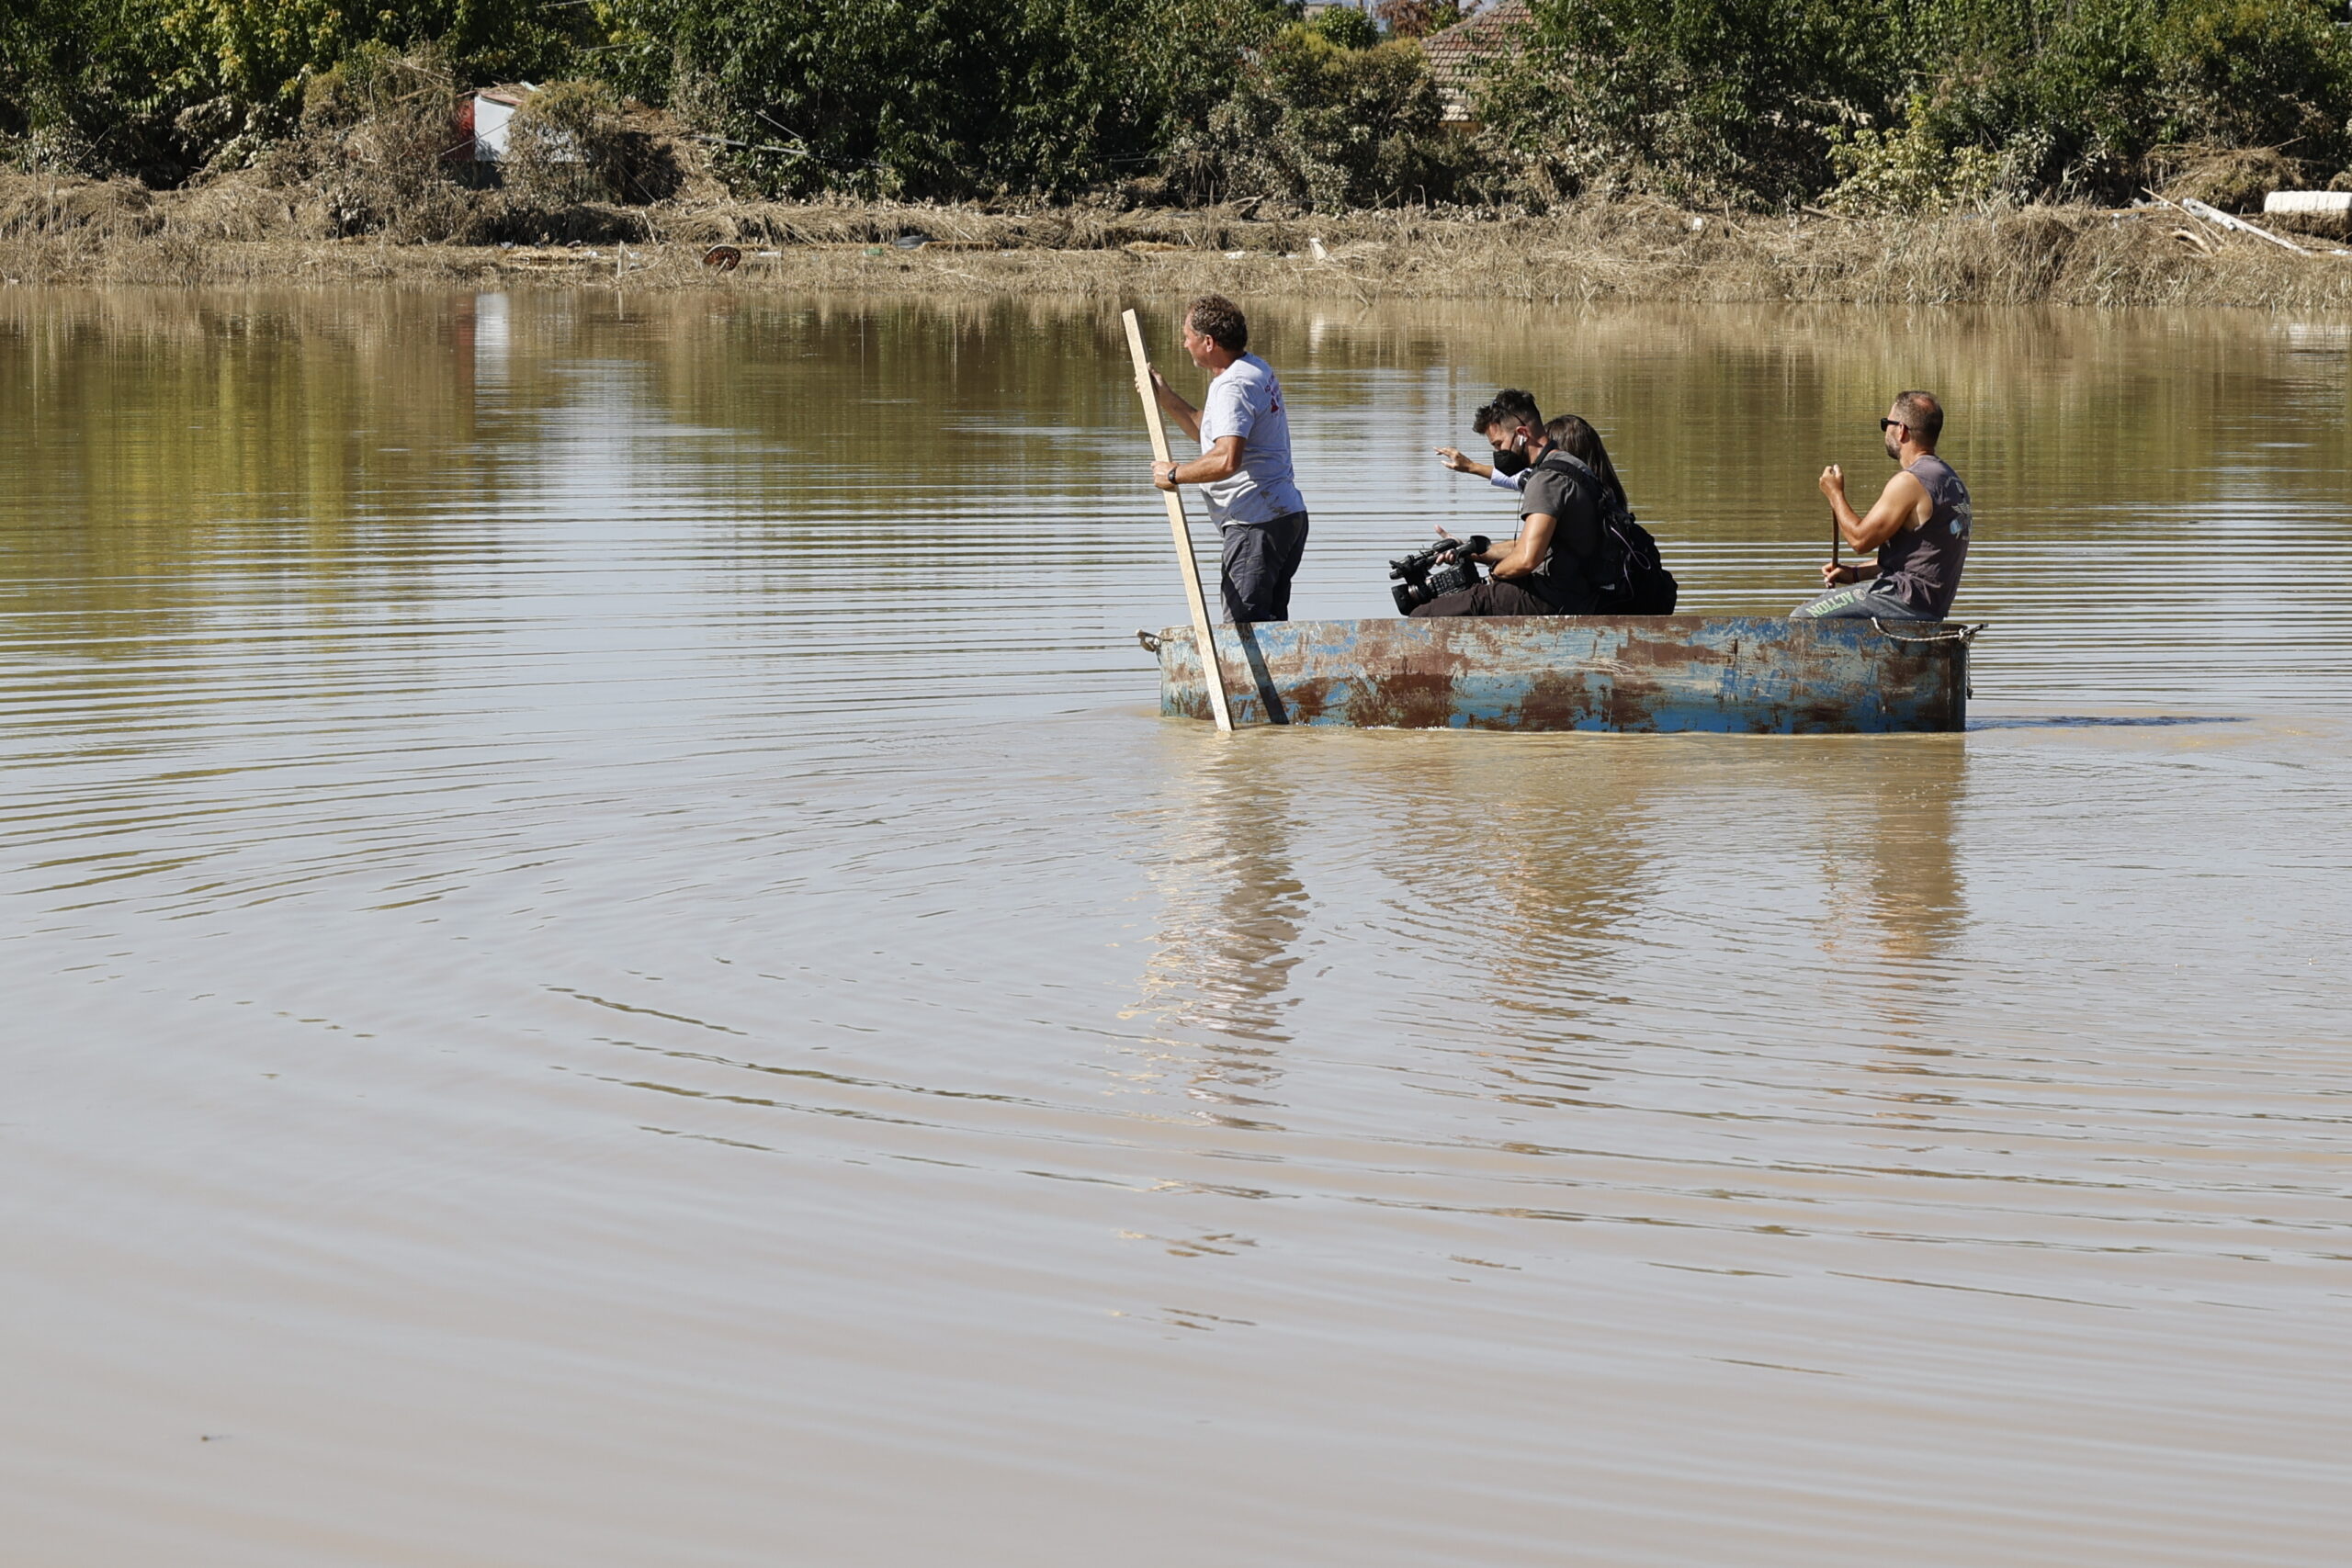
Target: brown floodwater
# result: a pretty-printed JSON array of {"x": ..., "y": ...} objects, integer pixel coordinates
[{"x": 609, "y": 963}]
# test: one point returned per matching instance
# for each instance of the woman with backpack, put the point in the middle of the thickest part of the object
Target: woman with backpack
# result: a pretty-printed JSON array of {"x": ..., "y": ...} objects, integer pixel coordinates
[{"x": 1579, "y": 551}]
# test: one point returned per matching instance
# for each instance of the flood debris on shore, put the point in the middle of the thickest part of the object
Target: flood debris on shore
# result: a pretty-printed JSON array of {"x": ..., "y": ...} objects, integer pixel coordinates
[{"x": 58, "y": 231}]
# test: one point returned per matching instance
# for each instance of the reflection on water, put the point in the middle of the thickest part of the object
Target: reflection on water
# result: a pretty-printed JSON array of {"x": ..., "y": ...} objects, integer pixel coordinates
[
  {"x": 611, "y": 966},
  {"x": 2100, "y": 721},
  {"x": 1231, "y": 905}
]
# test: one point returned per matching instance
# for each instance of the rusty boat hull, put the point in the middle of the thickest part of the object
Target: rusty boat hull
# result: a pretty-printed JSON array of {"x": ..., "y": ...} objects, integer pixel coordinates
[{"x": 1657, "y": 674}]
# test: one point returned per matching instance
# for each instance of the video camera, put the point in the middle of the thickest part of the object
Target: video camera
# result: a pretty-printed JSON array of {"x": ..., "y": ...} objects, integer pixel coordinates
[{"x": 1446, "y": 567}]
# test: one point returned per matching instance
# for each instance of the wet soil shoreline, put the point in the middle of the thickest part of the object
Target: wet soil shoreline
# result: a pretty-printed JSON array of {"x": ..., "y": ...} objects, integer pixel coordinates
[{"x": 80, "y": 233}]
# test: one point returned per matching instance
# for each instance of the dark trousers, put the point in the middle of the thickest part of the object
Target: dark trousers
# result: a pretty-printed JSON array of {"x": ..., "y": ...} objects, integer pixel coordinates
[
  {"x": 1259, "y": 561},
  {"x": 1490, "y": 598}
]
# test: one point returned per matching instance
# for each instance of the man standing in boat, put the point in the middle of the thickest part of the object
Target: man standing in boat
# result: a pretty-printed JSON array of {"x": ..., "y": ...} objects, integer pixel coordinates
[
  {"x": 1919, "y": 528},
  {"x": 1244, "y": 468}
]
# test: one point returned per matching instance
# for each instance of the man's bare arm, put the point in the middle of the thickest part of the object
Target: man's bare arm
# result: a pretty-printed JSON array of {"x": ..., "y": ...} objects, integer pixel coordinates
[
  {"x": 1219, "y": 462},
  {"x": 1181, "y": 411},
  {"x": 1902, "y": 503},
  {"x": 1454, "y": 459},
  {"x": 1522, "y": 555}
]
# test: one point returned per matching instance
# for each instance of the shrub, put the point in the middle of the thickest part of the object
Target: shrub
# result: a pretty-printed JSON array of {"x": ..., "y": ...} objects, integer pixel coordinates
[
  {"x": 936, "y": 97},
  {"x": 1769, "y": 101},
  {"x": 1907, "y": 169},
  {"x": 160, "y": 87},
  {"x": 84, "y": 88},
  {"x": 1316, "y": 126},
  {"x": 1702, "y": 100},
  {"x": 2077, "y": 99},
  {"x": 1346, "y": 27}
]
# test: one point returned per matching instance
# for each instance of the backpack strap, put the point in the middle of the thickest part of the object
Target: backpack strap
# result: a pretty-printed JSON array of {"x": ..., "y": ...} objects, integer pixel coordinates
[{"x": 1608, "y": 569}]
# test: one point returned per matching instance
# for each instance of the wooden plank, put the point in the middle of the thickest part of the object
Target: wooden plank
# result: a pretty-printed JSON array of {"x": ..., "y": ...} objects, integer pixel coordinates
[
  {"x": 1187, "y": 562},
  {"x": 2227, "y": 221},
  {"x": 2215, "y": 216}
]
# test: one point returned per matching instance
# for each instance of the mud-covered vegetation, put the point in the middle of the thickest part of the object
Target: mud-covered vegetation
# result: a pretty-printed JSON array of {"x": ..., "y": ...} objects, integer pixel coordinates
[{"x": 55, "y": 230}]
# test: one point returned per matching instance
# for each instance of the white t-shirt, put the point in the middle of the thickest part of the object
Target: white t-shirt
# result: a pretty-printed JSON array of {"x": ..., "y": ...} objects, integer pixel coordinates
[{"x": 1246, "y": 400}]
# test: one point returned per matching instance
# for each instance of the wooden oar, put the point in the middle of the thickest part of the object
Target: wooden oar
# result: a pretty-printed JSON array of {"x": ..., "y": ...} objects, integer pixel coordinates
[
  {"x": 1834, "y": 536},
  {"x": 1204, "y": 635}
]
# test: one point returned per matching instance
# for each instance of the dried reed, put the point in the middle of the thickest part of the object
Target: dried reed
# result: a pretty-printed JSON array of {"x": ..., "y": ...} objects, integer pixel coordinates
[{"x": 247, "y": 234}]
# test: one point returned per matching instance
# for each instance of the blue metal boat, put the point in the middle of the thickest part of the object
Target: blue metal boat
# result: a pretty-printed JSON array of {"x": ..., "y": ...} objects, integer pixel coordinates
[{"x": 1742, "y": 675}]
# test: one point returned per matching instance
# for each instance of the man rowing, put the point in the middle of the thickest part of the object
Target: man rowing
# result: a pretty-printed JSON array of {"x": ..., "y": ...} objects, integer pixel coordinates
[
  {"x": 1919, "y": 528},
  {"x": 1244, "y": 468}
]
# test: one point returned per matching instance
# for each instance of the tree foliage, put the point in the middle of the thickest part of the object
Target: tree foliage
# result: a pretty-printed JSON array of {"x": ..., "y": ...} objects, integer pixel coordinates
[
  {"x": 159, "y": 87},
  {"x": 84, "y": 86},
  {"x": 1315, "y": 124},
  {"x": 1865, "y": 103},
  {"x": 1703, "y": 100},
  {"x": 938, "y": 97},
  {"x": 1772, "y": 101}
]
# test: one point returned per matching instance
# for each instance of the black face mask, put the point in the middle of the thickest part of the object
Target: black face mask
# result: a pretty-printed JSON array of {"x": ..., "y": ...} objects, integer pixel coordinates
[{"x": 1510, "y": 460}]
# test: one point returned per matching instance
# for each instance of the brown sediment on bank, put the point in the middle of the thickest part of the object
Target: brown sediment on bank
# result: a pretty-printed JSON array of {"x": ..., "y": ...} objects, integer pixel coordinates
[{"x": 65, "y": 232}]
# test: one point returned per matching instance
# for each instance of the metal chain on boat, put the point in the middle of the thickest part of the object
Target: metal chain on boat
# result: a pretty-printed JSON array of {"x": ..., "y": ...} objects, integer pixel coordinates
[
  {"x": 1948, "y": 634},
  {"x": 1150, "y": 641}
]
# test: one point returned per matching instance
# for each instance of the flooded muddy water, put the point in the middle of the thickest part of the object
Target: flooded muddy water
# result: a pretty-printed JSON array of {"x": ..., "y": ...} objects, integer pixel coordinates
[{"x": 609, "y": 963}]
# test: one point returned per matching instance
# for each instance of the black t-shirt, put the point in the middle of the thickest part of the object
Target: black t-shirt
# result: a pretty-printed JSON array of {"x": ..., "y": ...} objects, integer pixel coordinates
[{"x": 1555, "y": 488}]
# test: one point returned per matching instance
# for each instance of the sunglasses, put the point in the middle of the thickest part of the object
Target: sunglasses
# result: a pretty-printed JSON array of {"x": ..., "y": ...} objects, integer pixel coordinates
[{"x": 1886, "y": 425}]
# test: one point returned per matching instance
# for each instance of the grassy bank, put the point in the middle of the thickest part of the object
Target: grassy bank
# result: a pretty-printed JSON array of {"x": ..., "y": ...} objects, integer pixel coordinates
[{"x": 67, "y": 232}]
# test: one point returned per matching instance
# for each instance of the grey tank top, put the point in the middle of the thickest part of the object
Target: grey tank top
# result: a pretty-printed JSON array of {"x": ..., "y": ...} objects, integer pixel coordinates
[{"x": 1922, "y": 565}]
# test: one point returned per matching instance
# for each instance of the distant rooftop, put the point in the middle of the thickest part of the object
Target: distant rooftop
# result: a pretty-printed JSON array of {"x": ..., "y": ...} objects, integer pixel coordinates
[{"x": 1456, "y": 53}]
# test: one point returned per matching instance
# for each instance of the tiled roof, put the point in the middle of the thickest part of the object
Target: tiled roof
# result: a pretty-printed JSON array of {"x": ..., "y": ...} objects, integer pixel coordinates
[{"x": 1455, "y": 54}]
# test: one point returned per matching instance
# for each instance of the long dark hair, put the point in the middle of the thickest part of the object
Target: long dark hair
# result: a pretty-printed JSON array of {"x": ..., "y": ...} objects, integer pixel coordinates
[{"x": 1580, "y": 440}]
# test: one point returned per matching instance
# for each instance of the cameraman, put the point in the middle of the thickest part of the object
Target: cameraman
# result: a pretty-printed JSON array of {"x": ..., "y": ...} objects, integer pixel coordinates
[{"x": 1541, "y": 573}]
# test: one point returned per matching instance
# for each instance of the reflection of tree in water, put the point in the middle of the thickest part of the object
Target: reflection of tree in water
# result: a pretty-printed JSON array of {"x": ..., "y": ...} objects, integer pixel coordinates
[
  {"x": 318, "y": 456},
  {"x": 1897, "y": 903},
  {"x": 1894, "y": 884},
  {"x": 1525, "y": 868},
  {"x": 1232, "y": 904}
]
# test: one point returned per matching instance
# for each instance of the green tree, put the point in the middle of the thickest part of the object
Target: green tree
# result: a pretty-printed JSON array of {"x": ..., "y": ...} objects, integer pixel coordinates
[
  {"x": 259, "y": 53},
  {"x": 1320, "y": 126},
  {"x": 1347, "y": 27},
  {"x": 1924, "y": 101},
  {"x": 156, "y": 87},
  {"x": 936, "y": 97},
  {"x": 1700, "y": 100},
  {"x": 84, "y": 86}
]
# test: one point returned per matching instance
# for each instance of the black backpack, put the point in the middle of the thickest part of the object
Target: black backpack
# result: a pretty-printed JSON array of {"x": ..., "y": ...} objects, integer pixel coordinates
[{"x": 1629, "y": 577}]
